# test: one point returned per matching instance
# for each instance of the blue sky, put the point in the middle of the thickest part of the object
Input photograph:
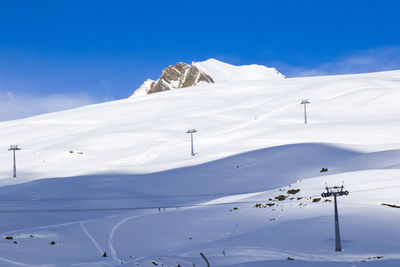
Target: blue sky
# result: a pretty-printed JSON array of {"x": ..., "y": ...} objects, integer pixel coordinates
[{"x": 61, "y": 54}]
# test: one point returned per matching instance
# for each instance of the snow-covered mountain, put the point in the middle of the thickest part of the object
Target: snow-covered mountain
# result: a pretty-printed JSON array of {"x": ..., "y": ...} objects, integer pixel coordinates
[
  {"x": 223, "y": 72},
  {"x": 118, "y": 177},
  {"x": 184, "y": 75}
]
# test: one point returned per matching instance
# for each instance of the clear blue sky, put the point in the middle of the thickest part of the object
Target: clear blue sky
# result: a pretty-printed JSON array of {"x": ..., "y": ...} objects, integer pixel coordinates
[{"x": 61, "y": 51}]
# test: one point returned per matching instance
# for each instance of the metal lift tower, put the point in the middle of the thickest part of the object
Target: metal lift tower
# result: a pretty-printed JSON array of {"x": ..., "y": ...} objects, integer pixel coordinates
[
  {"x": 336, "y": 191},
  {"x": 305, "y": 102},
  {"x": 14, "y": 148},
  {"x": 191, "y": 131}
]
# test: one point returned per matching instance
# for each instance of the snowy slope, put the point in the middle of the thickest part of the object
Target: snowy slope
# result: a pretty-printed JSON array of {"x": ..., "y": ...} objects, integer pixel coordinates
[
  {"x": 118, "y": 177},
  {"x": 143, "y": 89},
  {"x": 149, "y": 134},
  {"x": 223, "y": 72}
]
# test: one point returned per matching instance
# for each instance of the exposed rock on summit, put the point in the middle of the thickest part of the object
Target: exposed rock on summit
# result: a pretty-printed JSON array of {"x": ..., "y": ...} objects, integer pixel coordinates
[
  {"x": 179, "y": 76},
  {"x": 184, "y": 75}
]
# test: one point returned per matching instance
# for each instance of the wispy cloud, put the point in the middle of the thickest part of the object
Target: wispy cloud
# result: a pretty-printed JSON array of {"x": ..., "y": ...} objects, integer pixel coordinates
[
  {"x": 20, "y": 105},
  {"x": 380, "y": 59}
]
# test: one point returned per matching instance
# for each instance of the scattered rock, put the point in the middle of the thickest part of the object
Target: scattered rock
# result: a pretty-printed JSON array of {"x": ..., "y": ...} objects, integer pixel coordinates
[
  {"x": 290, "y": 259},
  {"x": 235, "y": 208},
  {"x": 293, "y": 191},
  {"x": 272, "y": 219},
  {"x": 324, "y": 170},
  {"x": 281, "y": 197},
  {"x": 104, "y": 255},
  {"x": 15, "y": 242},
  {"x": 154, "y": 263},
  {"x": 9, "y": 237},
  {"x": 316, "y": 199},
  {"x": 52, "y": 243},
  {"x": 31, "y": 236},
  {"x": 327, "y": 200}
]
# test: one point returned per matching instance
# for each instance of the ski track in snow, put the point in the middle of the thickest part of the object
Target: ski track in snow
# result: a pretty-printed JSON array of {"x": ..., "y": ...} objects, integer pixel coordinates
[
  {"x": 114, "y": 252},
  {"x": 152, "y": 153},
  {"x": 37, "y": 228},
  {"x": 91, "y": 238},
  {"x": 16, "y": 262},
  {"x": 97, "y": 263}
]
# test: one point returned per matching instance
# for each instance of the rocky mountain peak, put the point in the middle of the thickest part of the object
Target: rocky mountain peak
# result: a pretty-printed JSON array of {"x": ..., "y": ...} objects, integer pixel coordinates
[
  {"x": 183, "y": 75},
  {"x": 180, "y": 75}
]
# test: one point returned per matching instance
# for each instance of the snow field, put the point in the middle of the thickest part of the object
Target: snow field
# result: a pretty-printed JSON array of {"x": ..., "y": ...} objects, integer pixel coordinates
[{"x": 97, "y": 179}]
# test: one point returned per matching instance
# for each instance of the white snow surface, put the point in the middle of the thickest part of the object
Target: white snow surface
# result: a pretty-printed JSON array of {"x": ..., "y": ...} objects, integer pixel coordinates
[
  {"x": 143, "y": 89},
  {"x": 118, "y": 177},
  {"x": 224, "y": 72}
]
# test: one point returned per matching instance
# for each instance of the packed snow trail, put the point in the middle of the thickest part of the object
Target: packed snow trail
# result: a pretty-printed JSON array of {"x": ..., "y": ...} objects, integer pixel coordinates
[
  {"x": 113, "y": 250},
  {"x": 99, "y": 249}
]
